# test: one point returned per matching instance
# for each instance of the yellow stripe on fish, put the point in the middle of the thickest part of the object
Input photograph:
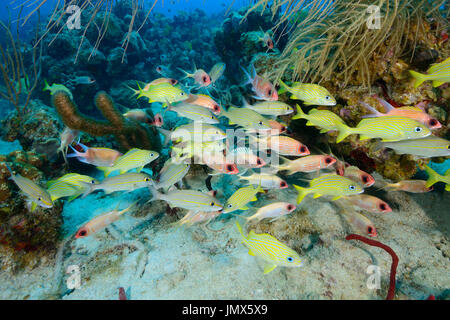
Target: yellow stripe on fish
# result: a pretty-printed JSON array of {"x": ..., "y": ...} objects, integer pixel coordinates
[
  {"x": 240, "y": 198},
  {"x": 61, "y": 189},
  {"x": 427, "y": 147},
  {"x": 133, "y": 159},
  {"x": 331, "y": 185},
  {"x": 309, "y": 93},
  {"x": 272, "y": 251},
  {"x": 324, "y": 119},
  {"x": 438, "y": 73}
]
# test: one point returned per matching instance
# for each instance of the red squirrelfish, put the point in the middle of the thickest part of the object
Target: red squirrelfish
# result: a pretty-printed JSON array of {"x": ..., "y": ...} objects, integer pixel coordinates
[
  {"x": 369, "y": 203},
  {"x": 263, "y": 88},
  {"x": 99, "y": 157},
  {"x": 200, "y": 77},
  {"x": 360, "y": 176}
]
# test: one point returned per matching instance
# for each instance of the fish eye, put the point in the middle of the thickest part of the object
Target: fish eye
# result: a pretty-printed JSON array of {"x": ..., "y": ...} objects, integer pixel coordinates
[
  {"x": 39, "y": 199},
  {"x": 383, "y": 206},
  {"x": 365, "y": 179},
  {"x": 290, "y": 259},
  {"x": 433, "y": 122},
  {"x": 328, "y": 160},
  {"x": 448, "y": 147},
  {"x": 173, "y": 81},
  {"x": 229, "y": 167},
  {"x": 217, "y": 132},
  {"x": 258, "y": 162},
  {"x": 216, "y": 108},
  {"x": 82, "y": 233},
  {"x": 230, "y": 206},
  {"x": 212, "y": 204},
  {"x": 283, "y": 184},
  {"x": 328, "y": 97},
  {"x": 269, "y": 92},
  {"x": 417, "y": 129},
  {"x": 302, "y": 149},
  {"x": 369, "y": 229},
  {"x": 260, "y": 123},
  {"x": 352, "y": 187},
  {"x": 147, "y": 179},
  {"x": 290, "y": 207},
  {"x": 93, "y": 181}
]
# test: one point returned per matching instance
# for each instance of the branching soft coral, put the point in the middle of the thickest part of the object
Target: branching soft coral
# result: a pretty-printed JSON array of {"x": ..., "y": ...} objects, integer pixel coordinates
[
  {"x": 128, "y": 133},
  {"x": 334, "y": 36}
]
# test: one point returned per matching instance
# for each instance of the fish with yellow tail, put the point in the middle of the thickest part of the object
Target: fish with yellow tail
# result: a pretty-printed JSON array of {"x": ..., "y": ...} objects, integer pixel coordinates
[
  {"x": 162, "y": 92},
  {"x": 36, "y": 195},
  {"x": 240, "y": 198},
  {"x": 217, "y": 71},
  {"x": 329, "y": 185},
  {"x": 272, "y": 251},
  {"x": 438, "y": 73},
  {"x": 246, "y": 118},
  {"x": 57, "y": 87},
  {"x": 309, "y": 93},
  {"x": 427, "y": 147},
  {"x": 127, "y": 182},
  {"x": 324, "y": 119},
  {"x": 133, "y": 159},
  {"x": 389, "y": 128},
  {"x": 270, "y": 108},
  {"x": 101, "y": 222},
  {"x": 201, "y": 78},
  {"x": 436, "y": 177}
]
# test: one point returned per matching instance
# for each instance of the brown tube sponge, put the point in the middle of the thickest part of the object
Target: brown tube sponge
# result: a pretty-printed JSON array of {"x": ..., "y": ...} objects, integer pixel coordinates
[{"x": 129, "y": 134}]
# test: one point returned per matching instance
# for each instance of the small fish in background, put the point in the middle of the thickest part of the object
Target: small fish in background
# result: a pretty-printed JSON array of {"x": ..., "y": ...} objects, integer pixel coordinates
[
  {"x": 331, "y": 185},
  {"x": 67, "y": 137},
  {"x": 265, "y": 181},
  {"x": 204, "y": 101},
  {"x": 246, "y": 118},
  {"x": 266, "y": 39},
  {"x": 128, "y": 182},
  {"x": 192, "y": 200},
  {"x": 133, "y": 159},
  {"x": 188, "y": 149},
  {"x": 359, "y": 222},
  {"x": 408, "y": 112},
  {"x": 75, "y": 179},
  {"x": 368, "y": 203},
  {"x": 85, "y": 80},
  {"x": 285, "y": 146},
  {"x": 138, "y": 115},
  {"x": 170, "y": 174},
  {"x": 159, "y": 81},
  {"x": 311, "y": 163},
  {"x": 412, "y": 186},
  {"x": 272, "y": 251},
  {"x": 435, "y": 177},
  {"x": 309, "y": 93},
  {"x": 270, "y": 108},
  {"x": 217, "y": 71},
  {"x": 36, "y": 195},
  {"x": 162, "y": 93},
  {"x": 101, "y": 222},
  {"x": 277, "y": 128},
  {"x": 162, "y": 70},
  {"x": 240, "y": 198},
  {"x": 263, "y": 89},
  {"x": 427, "y": 147},
  {"x": 200, "y": 77},
  {"x": 438, "y": 73},
  {"x": 190, "y": 131},
  {"x": 100, "y": 157},
  {"x": 389, "y": 128},
  {"x": 274, "y": 210},
  {"x": 357, "y": 175},
  {"x": 324, "y": 119},
  {"x": 23, "y": 85},
  {"x": 194, "y": 217},
  {"x": 57, "y": 87}
]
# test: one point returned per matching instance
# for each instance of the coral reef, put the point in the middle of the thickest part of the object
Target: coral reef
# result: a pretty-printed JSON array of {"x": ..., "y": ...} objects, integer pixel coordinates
[{"x": 128, "y": 133}]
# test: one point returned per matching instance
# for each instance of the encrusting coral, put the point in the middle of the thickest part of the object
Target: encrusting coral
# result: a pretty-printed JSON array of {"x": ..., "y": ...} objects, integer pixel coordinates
[{"x": 127, "y": 132}]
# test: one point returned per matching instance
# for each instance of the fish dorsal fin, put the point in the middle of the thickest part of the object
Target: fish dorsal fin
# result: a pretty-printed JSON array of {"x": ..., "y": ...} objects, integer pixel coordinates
[{"x": 411, "y": 109}]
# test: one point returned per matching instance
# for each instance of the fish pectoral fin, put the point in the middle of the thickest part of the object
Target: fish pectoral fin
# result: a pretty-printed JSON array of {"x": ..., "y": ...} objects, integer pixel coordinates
[
  {"x": 250, "y": 252},
  {"x": 337, "y": 197},
  {"x": 254, "y": 199},
  {"x": 309, "y": 123},
  {"x": 317, "y": 195},
  {"x": 244, "y": 208},
  {"x": 363, "y": 137},
  {"x": 323, "y": 131},
  {"x": 139, "y": 169},
  {"x": 33, "y": 206},
  {"x": 294, "y": 97},
  {"x": 122, "y": 171},
  {"x": 269, "y": 268}
]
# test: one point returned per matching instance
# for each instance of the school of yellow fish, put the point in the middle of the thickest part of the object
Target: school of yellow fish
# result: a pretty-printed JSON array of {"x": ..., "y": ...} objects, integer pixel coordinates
[{"x": 406, "y": 130}]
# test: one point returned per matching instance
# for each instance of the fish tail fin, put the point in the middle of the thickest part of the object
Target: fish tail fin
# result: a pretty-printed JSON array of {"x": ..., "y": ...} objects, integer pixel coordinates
[
  {"x": 166, "y": 134},
  {"x": 74, "y": 154},
  {"x": 106, "y": 170},
  {"x": 374, "y": 112},
  {"x": 240, "y": 230},
  {"x": 302, "y": 192},
  {"x": 300, "y": 114},
  {"x": 433, "y": 177},
  {"x": 344, "y": 131},
  {"x": 139, "y": 90},
  {"x": 186, "y": 74},
  {"x": 419, "y": 78},
  {"x": 135, "y": 92},
  {"x": 47, "y": 87},
  {"x": 284, "y": 87},
  {"x": 155, "y": 193},
  {"x": 248, "y": 76}
]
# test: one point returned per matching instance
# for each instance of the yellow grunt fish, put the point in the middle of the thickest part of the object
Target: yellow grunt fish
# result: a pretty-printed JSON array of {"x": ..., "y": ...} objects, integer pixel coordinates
[
  {"x": 427, "y": 147},
  {"x": 310, "y": 94},
  {"x": 270, "y": 108},
  {"x": 171, "y": 173},
  {"x": 272, "y": 251},
  {"x": 36, "y": 194},
  {"x": 389, "y": 128},
  {"x": 129, "y": 181},
  {"x": 162, "y": 92},
  {"x": 330, "y": 185},
  {"x": 55, "y": 88},
  {"x": 60, "y": 189},
  {"x": 246, "y": 118},
  {"x": 240, "y": 198},
  {"x": 133, "y": 159},
  {"x": 324, "y": 119},
  {"x": 438, "y": 73}
]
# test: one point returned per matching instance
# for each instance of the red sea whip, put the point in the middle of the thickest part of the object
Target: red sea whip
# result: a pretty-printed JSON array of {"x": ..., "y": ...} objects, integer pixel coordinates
[{"x": 374, "y": 243}]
